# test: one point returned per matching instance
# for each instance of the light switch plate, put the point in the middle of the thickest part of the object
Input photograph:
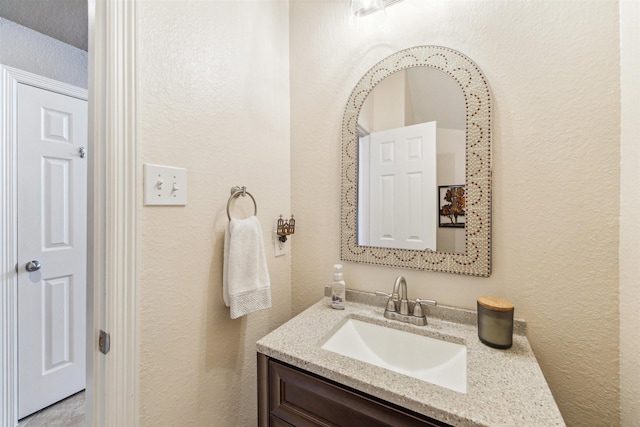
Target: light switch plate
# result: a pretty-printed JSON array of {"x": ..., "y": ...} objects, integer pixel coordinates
[{"x": 164, "y": 185}]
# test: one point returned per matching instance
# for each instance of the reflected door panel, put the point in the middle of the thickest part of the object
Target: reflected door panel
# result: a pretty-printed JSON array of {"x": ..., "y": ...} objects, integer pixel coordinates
[{"x": 402, "y": 197}]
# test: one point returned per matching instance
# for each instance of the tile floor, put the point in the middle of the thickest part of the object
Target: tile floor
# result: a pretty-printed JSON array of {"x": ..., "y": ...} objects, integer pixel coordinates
[{"x": 66, "y": 413}]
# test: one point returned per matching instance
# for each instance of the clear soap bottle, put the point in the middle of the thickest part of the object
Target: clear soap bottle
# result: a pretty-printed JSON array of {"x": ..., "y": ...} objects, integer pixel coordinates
[{"x": 338, "y": 288}]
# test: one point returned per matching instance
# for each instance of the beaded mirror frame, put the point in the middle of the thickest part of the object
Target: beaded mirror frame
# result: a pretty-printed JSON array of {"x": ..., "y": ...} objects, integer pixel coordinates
[{"x": 476, "y": 260}]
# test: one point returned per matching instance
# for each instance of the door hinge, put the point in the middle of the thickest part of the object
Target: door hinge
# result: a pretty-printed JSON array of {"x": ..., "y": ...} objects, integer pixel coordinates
[{"x": 104, "y": 342}]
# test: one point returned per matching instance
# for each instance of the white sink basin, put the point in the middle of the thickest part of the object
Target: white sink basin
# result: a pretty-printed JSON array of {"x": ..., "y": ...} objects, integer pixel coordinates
[{"x": 436, "y": 361}]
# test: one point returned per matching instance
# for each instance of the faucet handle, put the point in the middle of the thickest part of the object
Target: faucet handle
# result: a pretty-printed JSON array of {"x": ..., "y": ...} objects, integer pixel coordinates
[
  {"x": 417, "y": 309},
  {"x": 391, "y": 306}
]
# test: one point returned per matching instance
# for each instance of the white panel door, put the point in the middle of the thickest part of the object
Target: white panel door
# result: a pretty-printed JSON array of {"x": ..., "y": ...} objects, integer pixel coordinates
[
  {"x": 52, "y": 224},
  {"x": 403, "y": 193}
]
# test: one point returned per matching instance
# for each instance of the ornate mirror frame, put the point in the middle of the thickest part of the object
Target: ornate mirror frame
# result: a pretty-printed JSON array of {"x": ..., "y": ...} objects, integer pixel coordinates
[{"x": 476, "y": 260}]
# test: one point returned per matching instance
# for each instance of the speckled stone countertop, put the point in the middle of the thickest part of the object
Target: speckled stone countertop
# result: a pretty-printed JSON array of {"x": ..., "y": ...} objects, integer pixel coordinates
[{"x": 504, "y": 387}]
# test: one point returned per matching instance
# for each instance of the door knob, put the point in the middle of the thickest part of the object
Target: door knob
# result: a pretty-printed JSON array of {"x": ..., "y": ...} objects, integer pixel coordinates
[
  {"x": 33, "y": 265},
  {"x": 83, "y": 152}
]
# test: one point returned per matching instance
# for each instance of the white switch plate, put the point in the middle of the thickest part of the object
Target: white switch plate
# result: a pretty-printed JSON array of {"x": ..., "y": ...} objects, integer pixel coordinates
[
  {"x": 279, "y": 247},
  {"x": 164, "y": 185}
]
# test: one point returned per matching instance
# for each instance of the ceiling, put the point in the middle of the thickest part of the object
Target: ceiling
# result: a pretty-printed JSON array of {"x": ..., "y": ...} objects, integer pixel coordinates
[{"x": 65, "y": 20}]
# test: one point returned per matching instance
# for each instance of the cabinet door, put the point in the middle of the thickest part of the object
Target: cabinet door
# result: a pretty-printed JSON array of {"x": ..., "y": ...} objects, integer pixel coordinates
[{"x": 302, "y": 399}]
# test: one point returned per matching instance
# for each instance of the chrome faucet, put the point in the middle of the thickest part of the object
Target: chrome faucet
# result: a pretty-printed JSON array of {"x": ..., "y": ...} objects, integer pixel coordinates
[{"x": 398, "y": 305}]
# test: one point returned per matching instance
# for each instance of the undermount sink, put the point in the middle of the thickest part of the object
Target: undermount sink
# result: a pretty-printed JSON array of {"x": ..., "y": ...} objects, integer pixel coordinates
[{"x": 428, "y": 359}]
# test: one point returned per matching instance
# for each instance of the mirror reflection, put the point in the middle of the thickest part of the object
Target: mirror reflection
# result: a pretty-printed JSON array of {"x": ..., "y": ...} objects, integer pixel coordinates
[{"x": 411, "y": 163}]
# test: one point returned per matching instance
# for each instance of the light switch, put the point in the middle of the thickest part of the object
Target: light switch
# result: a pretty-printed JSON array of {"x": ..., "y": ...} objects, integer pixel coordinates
[{"x": 164, "y": 185}]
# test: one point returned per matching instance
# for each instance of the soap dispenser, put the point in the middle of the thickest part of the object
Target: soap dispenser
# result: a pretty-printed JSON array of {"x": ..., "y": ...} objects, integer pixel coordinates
[{"x": 338, "y": 288}]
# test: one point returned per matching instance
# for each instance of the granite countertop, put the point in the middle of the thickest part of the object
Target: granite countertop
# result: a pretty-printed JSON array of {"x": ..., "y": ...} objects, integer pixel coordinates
[{"x": 504, "y": 387}]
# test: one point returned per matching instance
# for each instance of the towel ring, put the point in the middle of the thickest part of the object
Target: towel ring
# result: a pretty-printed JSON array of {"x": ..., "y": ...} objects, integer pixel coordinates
[{"x": 237, "y": 192}]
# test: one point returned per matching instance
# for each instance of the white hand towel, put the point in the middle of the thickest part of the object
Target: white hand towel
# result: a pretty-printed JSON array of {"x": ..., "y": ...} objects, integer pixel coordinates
[{"x": 245, "y": 280}]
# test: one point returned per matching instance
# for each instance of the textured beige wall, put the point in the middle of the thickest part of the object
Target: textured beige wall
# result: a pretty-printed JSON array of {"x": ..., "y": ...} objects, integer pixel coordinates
[
  {"x": 214, "y": 98},
  {"x": 554, "y": 70},
  {"x": 629, "y": 212}
]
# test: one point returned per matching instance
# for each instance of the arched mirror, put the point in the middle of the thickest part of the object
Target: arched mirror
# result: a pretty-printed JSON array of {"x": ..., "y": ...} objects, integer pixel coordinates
[{"x": 416, "y": 164}]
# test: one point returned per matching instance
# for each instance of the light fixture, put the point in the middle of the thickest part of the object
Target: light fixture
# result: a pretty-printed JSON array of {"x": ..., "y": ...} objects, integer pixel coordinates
[
  {"x": 366, "y": 7},
  {"x": 373, "y": 10}
]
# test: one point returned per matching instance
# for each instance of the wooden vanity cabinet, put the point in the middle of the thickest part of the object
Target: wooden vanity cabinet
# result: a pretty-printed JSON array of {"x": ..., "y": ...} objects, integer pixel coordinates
[{"x": 289, "y": 396}]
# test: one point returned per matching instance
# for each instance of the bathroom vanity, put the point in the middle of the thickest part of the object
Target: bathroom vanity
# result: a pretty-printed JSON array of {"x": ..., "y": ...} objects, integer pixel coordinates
[
  {"x": 301, "y": 383},
  {"x": 294, "y": 397}
]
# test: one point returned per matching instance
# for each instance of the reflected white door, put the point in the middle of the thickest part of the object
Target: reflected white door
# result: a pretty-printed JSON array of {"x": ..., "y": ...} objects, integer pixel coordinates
[
  {"x": 52, "y": 224},
  {"x": 403, "y": 192}
]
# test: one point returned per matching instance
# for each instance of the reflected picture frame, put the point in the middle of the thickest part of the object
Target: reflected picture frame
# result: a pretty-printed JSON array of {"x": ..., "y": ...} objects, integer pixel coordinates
[{"x": 451, "y": 206}]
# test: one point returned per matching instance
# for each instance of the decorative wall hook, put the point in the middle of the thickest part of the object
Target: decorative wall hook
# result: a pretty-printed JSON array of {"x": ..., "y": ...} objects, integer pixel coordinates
[{"x": 285, "y": 228}]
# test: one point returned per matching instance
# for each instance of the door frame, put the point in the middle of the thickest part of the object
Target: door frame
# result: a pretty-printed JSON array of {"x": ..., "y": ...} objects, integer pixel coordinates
[
  {"x": 117, "y": 186},
  {"x": 114, "y": 181}
]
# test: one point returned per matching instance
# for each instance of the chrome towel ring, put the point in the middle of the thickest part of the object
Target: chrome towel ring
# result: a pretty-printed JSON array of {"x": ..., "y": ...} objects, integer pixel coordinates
[{"x": 237, "y": 192}]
